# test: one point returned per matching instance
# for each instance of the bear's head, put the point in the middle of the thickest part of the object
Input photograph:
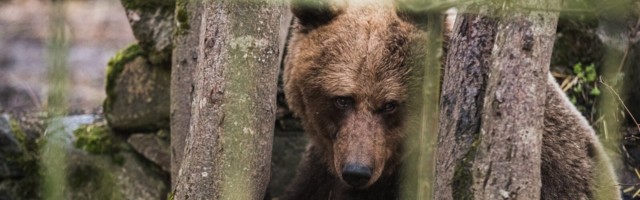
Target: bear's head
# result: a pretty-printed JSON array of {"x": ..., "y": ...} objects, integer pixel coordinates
[{"x": 348, "y": 76}]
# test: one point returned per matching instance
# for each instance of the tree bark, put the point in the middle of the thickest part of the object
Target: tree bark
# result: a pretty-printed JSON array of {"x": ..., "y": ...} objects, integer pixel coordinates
[
  {"x": 466, "y": 69},
  {"x": 508, "y": 158},
  {"x": 493, "y": 95},
  {"x": 184, "y": 61},
  {"x": 228, "y": 150}
]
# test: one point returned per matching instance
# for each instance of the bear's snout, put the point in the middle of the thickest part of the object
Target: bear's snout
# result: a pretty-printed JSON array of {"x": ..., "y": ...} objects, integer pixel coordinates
[{"x": 356, "y": 175}]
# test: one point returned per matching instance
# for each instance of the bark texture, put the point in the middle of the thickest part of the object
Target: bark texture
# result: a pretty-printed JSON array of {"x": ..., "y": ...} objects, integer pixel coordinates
[
  {"x": 228, "y": 150},
  {"x": 508, "y": 158},
  {"x": 184, "y": 61},
  {"x": 492, "y": 102},
  {"x": 467, "y": 65}
]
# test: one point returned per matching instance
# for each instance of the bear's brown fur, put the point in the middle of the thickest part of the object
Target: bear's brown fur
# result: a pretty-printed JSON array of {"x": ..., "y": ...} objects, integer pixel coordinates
[
  {"x": 357, "y": 58},
  {"x": 347, "y": 77},
  {"x": 574, "y": 164}
]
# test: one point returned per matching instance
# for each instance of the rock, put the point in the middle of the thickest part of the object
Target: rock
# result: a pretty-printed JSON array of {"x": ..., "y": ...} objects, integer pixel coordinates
[
  {"x": 6, "y": 191},
  {"x": 137, "y": 93},
  {"x": 152, "y": 24},
  {"x": 103, "y": 166},
  {"x": 95, "y": 139},
  {"x": 152, "y": 147},
  {"x": 99, "y": 177},
  {"x": 110, "y": 168},
  {"x": 10, "y": 149},
  {"x": 19, "y": 158},
  {"x": 14, "y": 98}
]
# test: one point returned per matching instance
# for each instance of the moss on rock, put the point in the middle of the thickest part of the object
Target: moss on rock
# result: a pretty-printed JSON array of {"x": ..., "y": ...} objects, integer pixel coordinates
[
  {"x": 104, "y": 166},
  {"x": 153, "y": 24},
  {"x": 25, "y": 161},
  {"x": 182, "y": 17},
  {"x": 17, "y": 131},
  {"x": 148, "y": 4},
  {"x": 115, "y": 67},
  {"x": 137, "y": 93},
  {"x": 95, "y": 139},
  {"x": 99, "y": 181}
]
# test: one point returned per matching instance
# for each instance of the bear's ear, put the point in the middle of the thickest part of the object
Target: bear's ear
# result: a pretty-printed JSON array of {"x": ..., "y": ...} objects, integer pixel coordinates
[
  {"x": 412, "y": 12},
  {"x": 313, "y": 13}
]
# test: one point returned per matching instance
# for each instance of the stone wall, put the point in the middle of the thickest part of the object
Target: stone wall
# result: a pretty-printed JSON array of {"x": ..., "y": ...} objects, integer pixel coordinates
[{"x": 138, "y": 82}]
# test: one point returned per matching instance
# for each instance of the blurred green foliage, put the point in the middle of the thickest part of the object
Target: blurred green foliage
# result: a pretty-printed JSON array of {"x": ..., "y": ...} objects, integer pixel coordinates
[{"x": 583, "y": 91}]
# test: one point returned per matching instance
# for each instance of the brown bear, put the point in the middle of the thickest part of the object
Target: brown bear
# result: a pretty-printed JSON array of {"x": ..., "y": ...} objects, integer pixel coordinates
[{"x": 347, "y": 76}]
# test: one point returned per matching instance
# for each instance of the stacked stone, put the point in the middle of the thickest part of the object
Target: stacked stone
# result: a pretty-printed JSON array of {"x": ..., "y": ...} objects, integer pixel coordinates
[{"x": 138, "y": 81}]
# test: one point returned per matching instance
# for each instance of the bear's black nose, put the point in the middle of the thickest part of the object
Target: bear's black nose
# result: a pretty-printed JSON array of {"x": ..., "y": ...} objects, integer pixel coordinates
[{"x": 356, "y": 175}]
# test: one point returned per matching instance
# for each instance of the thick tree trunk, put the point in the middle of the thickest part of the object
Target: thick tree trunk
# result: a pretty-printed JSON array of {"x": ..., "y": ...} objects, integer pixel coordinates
[
  {"x": 228, "y": 150},
  {"x": 184, "y": 61},
  {"x": 466, "y": 68},
  {"x": 493, "y": 94},
  {"x": 508, "y": 158}
]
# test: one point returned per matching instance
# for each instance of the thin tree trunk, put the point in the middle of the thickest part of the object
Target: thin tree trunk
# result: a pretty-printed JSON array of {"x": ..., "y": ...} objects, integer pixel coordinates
[
  {"x": 228, "y": 150},
  {"x": 508, "y": 158},
  {"x": 184, "y": 61},
  {"x": 419, "y": 167},
  {"x": 467, "y": 65}
]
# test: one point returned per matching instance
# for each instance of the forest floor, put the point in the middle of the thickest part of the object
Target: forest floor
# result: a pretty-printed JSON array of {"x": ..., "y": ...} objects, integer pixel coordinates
[{"x": 95, "y": 29}]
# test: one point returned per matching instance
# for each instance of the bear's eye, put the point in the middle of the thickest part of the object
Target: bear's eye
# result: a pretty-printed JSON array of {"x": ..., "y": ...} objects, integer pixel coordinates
[
  {"x": 389, "y": 107},
  {"x": 343, "y": 102}
]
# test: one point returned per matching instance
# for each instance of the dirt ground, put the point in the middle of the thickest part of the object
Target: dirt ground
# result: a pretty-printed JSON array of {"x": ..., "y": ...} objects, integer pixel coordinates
[{"x": 96, "y": 30}]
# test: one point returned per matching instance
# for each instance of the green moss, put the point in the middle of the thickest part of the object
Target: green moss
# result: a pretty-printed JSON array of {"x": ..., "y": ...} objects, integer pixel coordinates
[
  {"x": 94, "y": 180},
  {"x": 160, "y": 58},
  {"x": 462, "y": 175},
  {"x": 18, "y": 132},
  {"x": 170, "y": 196},
  {"x": 29, "y": 186},
  {"x": 118, "y": 159},
  {"x": 148, "y": 4},
  {"x": 163, "y": 134},
  {"x": 81, "y": 175},
  {"x": 95, "y": 139},
  {"x": 182, "y": 18},
  {"x": 115, "y": 67}
]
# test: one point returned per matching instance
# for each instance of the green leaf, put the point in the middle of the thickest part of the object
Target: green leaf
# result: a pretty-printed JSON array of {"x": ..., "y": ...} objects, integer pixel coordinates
[
  {"x": 578, "y": 88},
  {"x": 577, "y": 68},
  {"x": 595, "y": 91},
  {"x": 591, "y": 73}
]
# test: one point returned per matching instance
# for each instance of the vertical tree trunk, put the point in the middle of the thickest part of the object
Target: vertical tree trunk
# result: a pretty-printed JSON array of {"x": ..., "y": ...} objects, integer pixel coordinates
[
  {"x": 184, "y": 61},
  {"x": 507, "y": 163},
  {"x": 228, "y": 150},
  {"x": 493, "y": 94},
  {"x": 419, "y": 167},
  {"x": 466, "y": 68}
]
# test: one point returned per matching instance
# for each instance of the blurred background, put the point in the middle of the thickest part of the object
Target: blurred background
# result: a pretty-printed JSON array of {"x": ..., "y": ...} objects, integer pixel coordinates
[{"x": 96, "y": 30}]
